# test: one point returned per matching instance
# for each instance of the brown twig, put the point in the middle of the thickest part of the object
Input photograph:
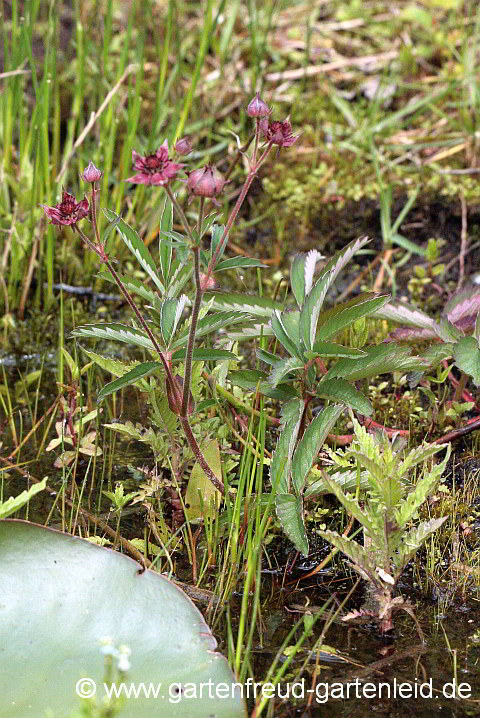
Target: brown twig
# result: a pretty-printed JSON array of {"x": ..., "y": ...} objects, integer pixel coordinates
[{"x": 471, "y": 425}]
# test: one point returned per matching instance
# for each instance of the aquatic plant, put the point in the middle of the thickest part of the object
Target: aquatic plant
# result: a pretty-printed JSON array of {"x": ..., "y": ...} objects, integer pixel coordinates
[{"x": 309, "y": 336}]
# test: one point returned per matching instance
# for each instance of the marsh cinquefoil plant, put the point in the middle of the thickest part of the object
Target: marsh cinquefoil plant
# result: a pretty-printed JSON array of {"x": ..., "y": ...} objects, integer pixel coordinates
[
  {"x": 386, "y": 512},
  {"x": 307, "y": 335},
  {"x": 168, "y": 339}
]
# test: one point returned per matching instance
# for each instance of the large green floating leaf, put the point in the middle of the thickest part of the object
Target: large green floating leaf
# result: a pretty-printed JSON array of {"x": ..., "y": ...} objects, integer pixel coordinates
[{"x": 62, "y": 597}]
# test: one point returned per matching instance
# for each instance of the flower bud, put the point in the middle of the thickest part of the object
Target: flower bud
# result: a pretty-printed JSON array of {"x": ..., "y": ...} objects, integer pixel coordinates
[
  {"x": 257, "y": 107},
  {"x": 184, "y": 146},
  {"x": 205, "y": 182},
  {"x": 91, "y": 173}
]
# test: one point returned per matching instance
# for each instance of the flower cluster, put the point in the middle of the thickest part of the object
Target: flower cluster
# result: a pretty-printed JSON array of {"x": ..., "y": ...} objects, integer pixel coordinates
[{"x": 158, "y": 169}]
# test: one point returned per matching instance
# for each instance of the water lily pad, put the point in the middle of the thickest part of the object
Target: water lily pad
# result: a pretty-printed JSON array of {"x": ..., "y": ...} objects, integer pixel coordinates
[{"x": 65, "y": 602}]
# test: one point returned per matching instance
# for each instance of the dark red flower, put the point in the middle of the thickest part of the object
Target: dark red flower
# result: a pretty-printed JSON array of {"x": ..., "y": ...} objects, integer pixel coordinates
[
  {"x": 91, "y": 173},
  {"x": 257, "y": 107},
  {"x": 156, "y": 169},
  {"x": 68, "y": 211},
  {"x": 278, "y": 133},
  {"x": 206, "y": 182}
]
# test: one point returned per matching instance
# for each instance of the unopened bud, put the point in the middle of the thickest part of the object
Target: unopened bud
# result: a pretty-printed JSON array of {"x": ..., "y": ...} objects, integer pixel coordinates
[
  {"x": 183, "y": 146},
  {"x": 206, "y": 182},
  {"x": 257, "y": 107},
  {"x": 91, "y": 173}
]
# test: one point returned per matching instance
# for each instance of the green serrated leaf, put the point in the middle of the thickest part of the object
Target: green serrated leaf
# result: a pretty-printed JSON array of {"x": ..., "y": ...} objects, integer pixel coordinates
[
  {"x": 347, "y": 479},
  {"x": 377, "y": 360},
  {"x": 424, "y": 487},
  {"x": 413, "y": 540},
  {"x": 297, "y": 277},
  {"x": 113, "y": 366},
  {"x": 134, "y": 286},
  {"x": 280, "y": 325},
  {"x": 209, "y": 324},
  {"x": 334, "y": 321},
  {"x": 164, "y": 249},
  {"x": 467, "y": 357},
  {"x": 171, "y": 311},
  {"x": 205, "y": 355},
  {"x": 217, "y": 234},
  {"x": 282, "y": 392},
  {"x": 356, "y": 553},
  {"x": 290, "y": 514},
  {"x": 333, "y": 351},
  {"x": 255, "y": 305},
  {"x": 284, "y": 367},
  {"x": 180, "y": 273},
  {"x": 351, "y": 505},
  {"x": 301, "y": 275},
  {"x": 137, "y": 248},
  {"x": 436, "y": 353},
  {"x": 202, "y": 499},
  {"x": 138, "y": 372},
  {"x": 311, "y": 443},
  {"x": 341, "y": 390},
  {"x": 247, "y": 378},
  {"x": 268, "y": 357},
  {"x": 405, "y": 314},
  {"x": 447, "y": 331},
  {"x": 315, "y": 298},
  {"x": 116, "y": 332},
  {"x": 237, "y": 263}
]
